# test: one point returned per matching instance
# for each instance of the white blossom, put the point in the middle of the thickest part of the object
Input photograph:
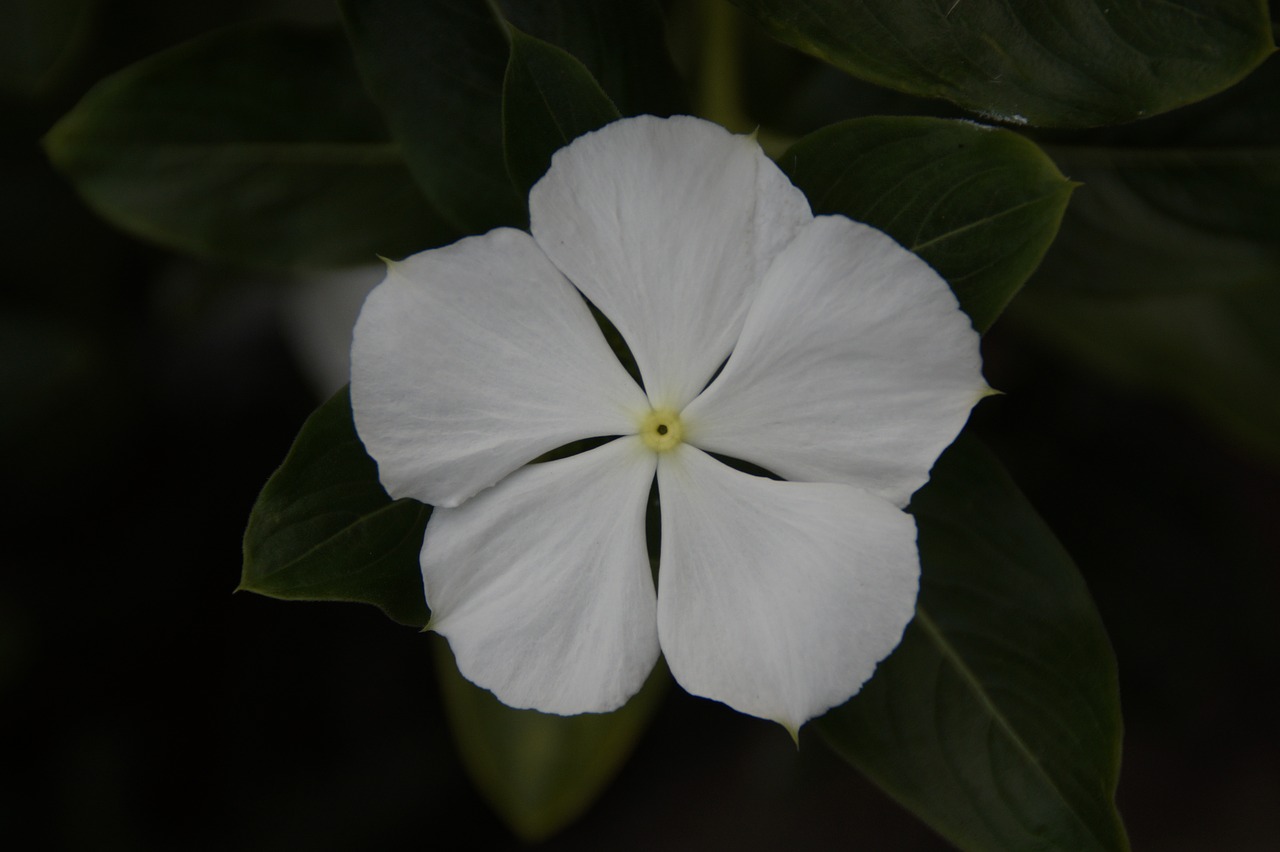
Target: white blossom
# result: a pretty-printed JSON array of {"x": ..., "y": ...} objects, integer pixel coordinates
[{"x": 816, "y": 348}]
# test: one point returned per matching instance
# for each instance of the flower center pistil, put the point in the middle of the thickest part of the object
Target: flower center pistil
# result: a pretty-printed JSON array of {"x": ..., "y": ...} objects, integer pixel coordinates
[{"x": 662, "y": 429}]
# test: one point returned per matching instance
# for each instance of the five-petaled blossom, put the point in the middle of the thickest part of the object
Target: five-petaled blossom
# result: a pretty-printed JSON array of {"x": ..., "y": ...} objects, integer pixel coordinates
[{"x": 813, "y": 347}]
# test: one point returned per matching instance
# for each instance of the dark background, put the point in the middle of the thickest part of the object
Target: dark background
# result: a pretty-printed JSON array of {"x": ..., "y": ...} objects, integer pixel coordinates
[{"x": 147, "y": 397}]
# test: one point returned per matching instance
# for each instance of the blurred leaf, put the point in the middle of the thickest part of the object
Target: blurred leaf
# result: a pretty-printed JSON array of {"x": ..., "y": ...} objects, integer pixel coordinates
[
  {"x": 324, "y": 529},
  {"x": 997, "y": 720},
  {"x": 37, "y": 40},
  {"x": 1218, "y": 354},
  {"x": 254, "y": 145},
  {"x": 548, "y": 99},
  {"x": 1186, "y": 202},
  {"x": 981, "y": 205},
  {"x": 436, "y": 70},
  {"x": 1166, "y": 275},
  {"x": 622, "y": 45},
  {"x": 1168, "y": 220},
  {"x": 541, "y": 772},
  {"x": 1049, "y": 64}
]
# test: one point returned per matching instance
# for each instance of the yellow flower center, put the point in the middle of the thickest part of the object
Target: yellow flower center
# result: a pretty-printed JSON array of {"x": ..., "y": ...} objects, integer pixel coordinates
[{"x": 661, "y": 429}]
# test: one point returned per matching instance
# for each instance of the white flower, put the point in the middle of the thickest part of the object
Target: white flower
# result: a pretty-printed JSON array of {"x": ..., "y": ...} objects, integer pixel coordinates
[{"x": 850, "y": 368}]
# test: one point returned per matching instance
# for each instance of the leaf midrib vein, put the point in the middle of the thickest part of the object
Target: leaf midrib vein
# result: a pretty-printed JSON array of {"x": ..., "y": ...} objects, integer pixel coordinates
[
  {"x": 977, "y": 223},
  {"x": 949, "y": 653},
  {"x": 327, "y": 541}
]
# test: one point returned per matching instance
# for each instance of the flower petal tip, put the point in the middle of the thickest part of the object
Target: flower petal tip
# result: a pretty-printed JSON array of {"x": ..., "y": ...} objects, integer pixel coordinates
[{"x": 687, "y": 201}]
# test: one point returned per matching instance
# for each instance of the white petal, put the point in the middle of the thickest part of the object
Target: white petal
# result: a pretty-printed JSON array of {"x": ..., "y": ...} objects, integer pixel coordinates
[
  {"x": 855, "y": 365},
  {"x": 542, "y": 584},
  {"x": 667, "y": 226},
  {"x": 471, "y": 360},
  {"x": 778, "y": 598}
]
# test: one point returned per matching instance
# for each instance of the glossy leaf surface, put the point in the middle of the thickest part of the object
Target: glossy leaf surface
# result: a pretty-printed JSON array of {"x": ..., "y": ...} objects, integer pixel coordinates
[
  {"x": 324, "y": 529},
  {"x": 1046, "y": 64},
  {"x": 980, "y": 205},
  {"x": 997, "y": 720},
  {"x": 541, "y": 772},
  {"x": 191, "y": 150}
]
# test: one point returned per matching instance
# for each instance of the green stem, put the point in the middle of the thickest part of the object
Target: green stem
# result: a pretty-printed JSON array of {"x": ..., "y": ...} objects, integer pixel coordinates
[{"x": 719, "y": 95}]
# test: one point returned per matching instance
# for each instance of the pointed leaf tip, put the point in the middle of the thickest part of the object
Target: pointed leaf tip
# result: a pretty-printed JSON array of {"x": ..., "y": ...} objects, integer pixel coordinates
[
  {"x": 549, "y": 98},
  {"x": 997, "y": 720},
  {"x": 899, "y": 174},
  {"x": 184, "y": 149},
  {"x": 324, "y": 529}
]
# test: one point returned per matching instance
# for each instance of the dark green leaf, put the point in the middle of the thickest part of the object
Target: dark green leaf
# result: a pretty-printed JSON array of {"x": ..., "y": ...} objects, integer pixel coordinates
[
  {"x": 1047, "y": 64},
  {"x": 37, "y": 41},
  {"x": 792, "y": 93},
  {"x": 622, "y": 45},
  {"x": 436, "y": 70},
  {"x": 1168, "y": 220},
  {"x": 981, "y": 205},
  {"x": 1166, "y": 275},
  {"x": 541, "y": 772},
  {"x": 324, "y": 529},
  {"x": 549, "y": 99},
  {"x": 254, "y": 145},
  {"x": 997, "y": 719},
  {"x": 1216, "y": 353}
]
